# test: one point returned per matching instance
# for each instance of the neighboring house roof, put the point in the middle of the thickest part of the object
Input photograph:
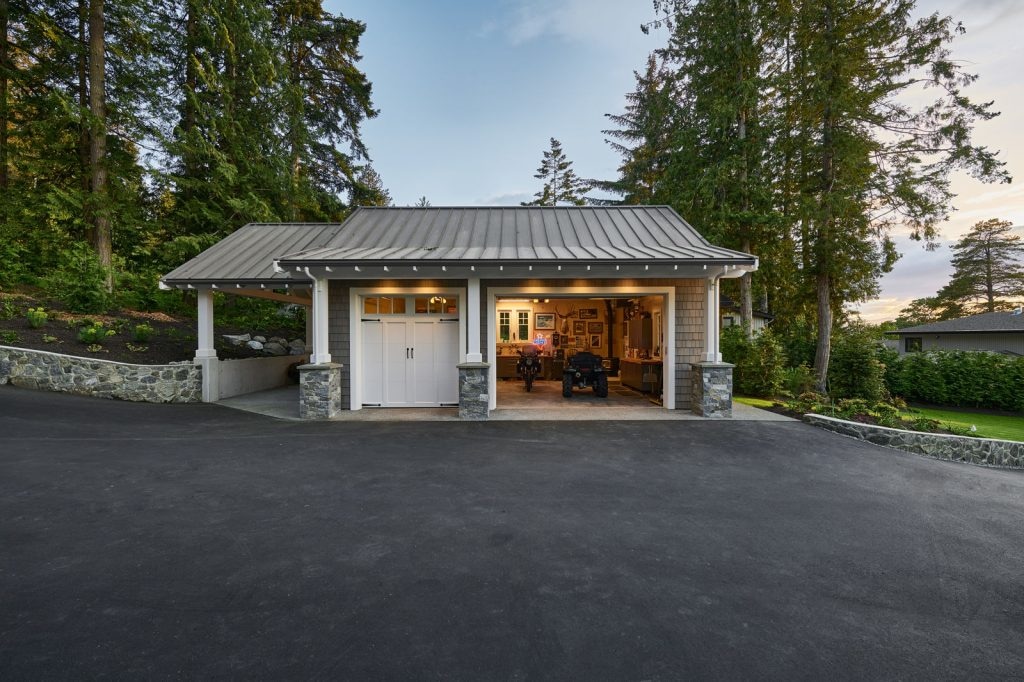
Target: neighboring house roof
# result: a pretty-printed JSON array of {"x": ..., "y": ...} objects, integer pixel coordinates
[
  {"x": 983, "y": 323},
  {"x": 458, "y": 235}
]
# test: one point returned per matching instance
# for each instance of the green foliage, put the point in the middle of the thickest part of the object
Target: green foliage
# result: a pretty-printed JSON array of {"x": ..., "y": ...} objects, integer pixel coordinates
[
  {"x": 797, "y": 380},
  {"x": 854, "y": 368},
  {"x": 142, "y": 332},
  {"x": 79, "y": 281},
  {"x": 37, "y": 317},
  {"x": 8, "y": 337},
  {"x": 760, "y": 363},
  {"x": 94, "y": 334},
  {"x": 8, "y": 311},
  {"x": 47, "y": 338},
  {"x": 959, "y": 379},
  {"x": 561, "y": 184},
  {"x": 987, "y": 268}
]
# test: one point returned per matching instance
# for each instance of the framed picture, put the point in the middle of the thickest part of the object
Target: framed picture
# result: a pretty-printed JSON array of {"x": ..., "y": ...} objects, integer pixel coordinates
[
  {"x": 595, "y": 327},
  {"x": 579, "y": 328},
  {"x": 588, "y": 313},
  {"x": 543, "y": 320},
  {"x": 581, "y": 341},
  {"x": 595, "y": 340}
]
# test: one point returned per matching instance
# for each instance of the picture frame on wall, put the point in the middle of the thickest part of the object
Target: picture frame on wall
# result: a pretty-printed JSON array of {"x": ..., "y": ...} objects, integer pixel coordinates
[
  {"x": 595, "y": 327},
  {"x": 544, "y": 321},
  {"x": 581, "y": 341},
  {"x": 579, "y": 328},
  {"x": 595, "y": 340},
  {"x": 588, "y": 313}
]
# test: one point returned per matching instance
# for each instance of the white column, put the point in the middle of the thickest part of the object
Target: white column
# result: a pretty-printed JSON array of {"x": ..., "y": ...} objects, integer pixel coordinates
[
  {"x": 712, "y": 352},
  {"x": 204, "y": 346},
  {"x": 321, "y": 355},
  {"x": 206, "y": 354},
  {"x": 473, "y": 353}
]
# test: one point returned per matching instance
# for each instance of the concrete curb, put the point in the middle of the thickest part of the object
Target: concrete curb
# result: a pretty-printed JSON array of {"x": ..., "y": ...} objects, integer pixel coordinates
[{"x": 981, "y": 451}]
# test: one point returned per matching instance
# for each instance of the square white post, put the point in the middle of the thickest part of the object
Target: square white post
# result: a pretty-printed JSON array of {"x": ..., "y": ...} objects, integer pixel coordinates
[
  {"x": 321, "y": 355},
  {"x": 204, "y": 346},
  {"x": 473, "y": 353},
  {"x": 206, "y": 353},
  {"x": 712, "y": 352}
]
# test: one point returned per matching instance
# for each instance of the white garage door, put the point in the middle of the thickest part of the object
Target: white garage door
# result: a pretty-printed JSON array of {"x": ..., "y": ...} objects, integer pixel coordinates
[{"x": 409, "y": 360}]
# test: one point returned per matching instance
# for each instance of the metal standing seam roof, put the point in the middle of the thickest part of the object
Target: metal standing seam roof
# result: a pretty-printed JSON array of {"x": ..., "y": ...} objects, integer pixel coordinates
[
  {"x": 985, "y": 322},
  {"x": 457, "y": 235},
  {"x": 504, "y": 234}
]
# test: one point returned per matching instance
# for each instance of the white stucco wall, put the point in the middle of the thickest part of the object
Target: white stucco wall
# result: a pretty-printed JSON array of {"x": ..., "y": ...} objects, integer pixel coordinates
[{"x": 238, "y": 377}]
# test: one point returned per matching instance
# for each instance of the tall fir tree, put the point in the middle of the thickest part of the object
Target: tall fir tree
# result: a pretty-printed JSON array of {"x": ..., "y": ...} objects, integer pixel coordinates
[
  {"x": 988, "y": 268},
  {"x": 561, "y": 184}
]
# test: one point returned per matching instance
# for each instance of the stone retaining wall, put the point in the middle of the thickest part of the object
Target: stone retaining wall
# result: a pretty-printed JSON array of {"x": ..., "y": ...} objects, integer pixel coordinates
[
  {"x": 178, "y": 383},
  {"x": 984, "y": 451}
]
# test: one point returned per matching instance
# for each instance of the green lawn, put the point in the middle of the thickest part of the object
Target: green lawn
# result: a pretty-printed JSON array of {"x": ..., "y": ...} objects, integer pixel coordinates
[
  {"x": 989, "y": 425},
  {"x": 753, "y": 402}
]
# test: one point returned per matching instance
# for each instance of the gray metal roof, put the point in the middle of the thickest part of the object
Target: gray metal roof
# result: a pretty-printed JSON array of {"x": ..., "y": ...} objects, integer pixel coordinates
[
  {"x": 247, "y": 254},
  {"x": 985, "y": 322},
  {"x": 524, "y": 234},
  {"x": 520, "y": 233}
]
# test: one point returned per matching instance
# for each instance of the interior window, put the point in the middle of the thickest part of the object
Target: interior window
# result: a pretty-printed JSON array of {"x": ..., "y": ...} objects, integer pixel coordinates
[
  {"x": 370, "y": 306},
  {"x": 524, "y": 324},
  {"x": 504, "y": 325},
  {"x": 912, "y": 344}
]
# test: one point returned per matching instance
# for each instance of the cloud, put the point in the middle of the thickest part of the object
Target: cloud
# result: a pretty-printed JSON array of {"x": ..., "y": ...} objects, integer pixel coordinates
[{"x": 589, "y": 21}]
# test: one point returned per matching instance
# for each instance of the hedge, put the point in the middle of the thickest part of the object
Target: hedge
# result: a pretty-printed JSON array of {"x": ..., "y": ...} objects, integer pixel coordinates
[{"x": 957, "y": 379}]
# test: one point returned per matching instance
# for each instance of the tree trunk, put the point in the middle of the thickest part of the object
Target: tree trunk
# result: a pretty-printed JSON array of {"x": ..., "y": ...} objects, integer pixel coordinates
[
  {"x": 747, "y": 297},
  {"x": 823, "y": 352},
  {"x": 83, "y": 120},
  {"x": 188, "y": 109},
  {"x": 98, "y": 138},
  {"x": 4, "y": 115}
]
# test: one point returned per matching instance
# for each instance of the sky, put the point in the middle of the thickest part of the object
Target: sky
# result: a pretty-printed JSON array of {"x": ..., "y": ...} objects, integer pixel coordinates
[{"x": 470, "y": 91}]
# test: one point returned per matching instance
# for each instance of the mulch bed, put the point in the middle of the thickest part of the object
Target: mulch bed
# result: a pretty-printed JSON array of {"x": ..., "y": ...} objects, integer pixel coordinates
[{"x": 173, "y": 338}]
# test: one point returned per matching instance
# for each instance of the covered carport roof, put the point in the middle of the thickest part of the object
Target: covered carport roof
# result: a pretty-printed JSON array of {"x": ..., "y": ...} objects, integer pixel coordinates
[{"x": 277, "y": 255}]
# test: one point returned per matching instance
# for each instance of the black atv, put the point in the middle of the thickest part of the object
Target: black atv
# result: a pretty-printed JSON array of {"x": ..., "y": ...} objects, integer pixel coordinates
[{"x": 585, "y": 369}]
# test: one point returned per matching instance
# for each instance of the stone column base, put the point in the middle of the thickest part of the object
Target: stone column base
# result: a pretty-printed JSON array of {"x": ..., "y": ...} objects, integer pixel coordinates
[
  {"x": 319, "y": 391},
  {"x": 474, "y": 393},
  {"x": 712, "y": 389}
]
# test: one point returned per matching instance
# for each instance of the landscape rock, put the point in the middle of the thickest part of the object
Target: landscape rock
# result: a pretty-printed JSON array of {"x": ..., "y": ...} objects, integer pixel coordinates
[
  {"x": 237, "y": 339},
  {"x": 278, "y": 339},
  {"x": 261, "y": 339},
  {"x": 296, "y": 347},
  {"x": 256, "y": 344},
  {"x": 273, "y": 348}
]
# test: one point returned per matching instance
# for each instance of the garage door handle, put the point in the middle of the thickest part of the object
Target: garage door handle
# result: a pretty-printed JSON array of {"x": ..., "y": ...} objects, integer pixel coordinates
[
  {"x": 413, "y": 355},
  {"x": 406, "y": 353}
]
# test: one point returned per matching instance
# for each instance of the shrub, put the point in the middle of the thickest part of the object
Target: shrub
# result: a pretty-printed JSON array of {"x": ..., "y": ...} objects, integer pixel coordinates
[
  {"x": 8, "y": 337},
  {"x": 37, "y": 317},
  {"x": 797, "y": 380},
  {"x": 142, "y": 332},
  {"x": 959, "y": 379},
  {"x": 854, "y": 369},
  {"x": 94, "y": 334},
  {"x": 759, "y": 362},
  {"x": 79, "y": 281}
]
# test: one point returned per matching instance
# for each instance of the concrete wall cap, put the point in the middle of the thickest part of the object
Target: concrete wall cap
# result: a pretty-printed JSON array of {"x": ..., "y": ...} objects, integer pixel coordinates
[
  {"x": 326, "y": 365},
  {"x": 474, "y": 365}
]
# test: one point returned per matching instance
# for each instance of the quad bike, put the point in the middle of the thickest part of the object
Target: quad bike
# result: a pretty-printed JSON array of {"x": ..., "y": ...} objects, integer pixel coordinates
[
  {"x": 528, "y": 366},
  {"x": 585, "y": 369}
]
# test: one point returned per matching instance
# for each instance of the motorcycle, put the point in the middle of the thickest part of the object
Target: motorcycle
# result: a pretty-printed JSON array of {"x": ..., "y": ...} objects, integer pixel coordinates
[{"x": 528, "y": 366}]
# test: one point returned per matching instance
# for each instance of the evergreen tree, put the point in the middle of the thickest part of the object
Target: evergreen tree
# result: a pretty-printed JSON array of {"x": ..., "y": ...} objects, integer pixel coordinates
[
  {"x": 988, "y": 268},
  {"x": 369, "y": 190},
  {"x": 561, "y": 184},
  {"x": 864, "y": 159},
  {"x": 643, "y": 138}
]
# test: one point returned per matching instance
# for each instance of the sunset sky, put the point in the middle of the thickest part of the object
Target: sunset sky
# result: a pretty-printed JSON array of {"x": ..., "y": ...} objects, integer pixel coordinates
[{"x": 470, "y": 92}]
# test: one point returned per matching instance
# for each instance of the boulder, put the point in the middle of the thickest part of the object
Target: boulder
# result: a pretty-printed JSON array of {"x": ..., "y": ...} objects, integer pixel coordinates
[
  {"x": 272, "y": 348},
  {"x": 296, "y": 346},
  {"x": 255, "y": 345},
  {"x": 261, "y": 339},
  {"x": 237, "y": 339},
  {"x": 278, "y": 339}
]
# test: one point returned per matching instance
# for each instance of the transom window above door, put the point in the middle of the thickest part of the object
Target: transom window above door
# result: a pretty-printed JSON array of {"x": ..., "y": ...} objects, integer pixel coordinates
[{"x": 421, "y": 304}]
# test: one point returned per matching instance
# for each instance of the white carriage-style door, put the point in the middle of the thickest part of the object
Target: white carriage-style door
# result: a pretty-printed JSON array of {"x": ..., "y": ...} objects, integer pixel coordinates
[{"x": 409, "y": 360}]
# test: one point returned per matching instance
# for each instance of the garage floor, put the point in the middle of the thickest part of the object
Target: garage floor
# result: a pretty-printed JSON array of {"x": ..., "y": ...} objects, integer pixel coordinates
[{"x": 548, "y": 394}]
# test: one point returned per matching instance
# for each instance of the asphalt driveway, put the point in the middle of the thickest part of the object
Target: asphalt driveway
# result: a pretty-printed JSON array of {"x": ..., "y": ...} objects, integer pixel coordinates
[{"x": 143, "y": 541}]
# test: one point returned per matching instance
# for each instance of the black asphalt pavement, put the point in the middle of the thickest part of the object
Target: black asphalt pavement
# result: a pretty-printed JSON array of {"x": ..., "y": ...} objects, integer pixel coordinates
[{"x": 192, "y": 541}]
